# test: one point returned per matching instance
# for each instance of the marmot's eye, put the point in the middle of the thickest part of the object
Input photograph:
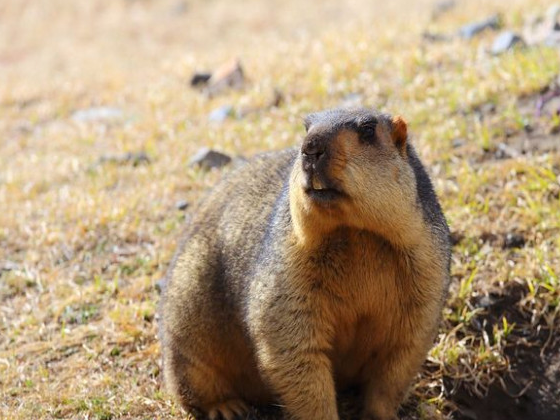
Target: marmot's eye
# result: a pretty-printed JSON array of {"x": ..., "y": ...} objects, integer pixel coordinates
[{"x": 366, "y": 131}]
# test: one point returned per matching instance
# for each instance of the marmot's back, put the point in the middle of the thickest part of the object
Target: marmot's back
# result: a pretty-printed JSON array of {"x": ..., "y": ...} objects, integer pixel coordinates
[{"x": 233, "y": 216}]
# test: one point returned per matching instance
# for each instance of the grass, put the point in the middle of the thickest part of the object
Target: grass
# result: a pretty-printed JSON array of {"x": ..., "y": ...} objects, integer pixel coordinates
[{"x": 87, "y": 241}]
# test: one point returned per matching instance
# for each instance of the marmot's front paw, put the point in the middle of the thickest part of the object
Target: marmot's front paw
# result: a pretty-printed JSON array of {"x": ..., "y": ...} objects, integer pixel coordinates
[{"x": 228, "y": 410}]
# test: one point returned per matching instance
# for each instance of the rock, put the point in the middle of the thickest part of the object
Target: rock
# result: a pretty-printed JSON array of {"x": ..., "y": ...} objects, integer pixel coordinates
[
  {"x": 208, "y": 159},
  {"x": 220, "y": 114},
  {"x": 470, "y": 30},
  {"x": 456, "y": 238},
  {"x": 544, "y": 30},
  {"x": 134, "y": 158},
  {"x": 102, "y": 113},
  {"x": 513, "y": 240},
  {"x": 486, "y": 301},
  {"x": 179, "y": 8},
  {"x": 551, "y": 18},
  {"x": 505, "y": 42},
  {"x": 549, "y": 102},
  {"x": 277, "y": 99},
  {"x": 182, "y": 205},
  {"x": 442, "y": 7},
  {"x": 200, "y": 79},
  {"x": 552, "y": 39},
  {"x": 352, "y": 100},
  {"x": 485, "y": 109},
  {"x": 228, "y": 76},
  {"x": 458, "y": 142},
  {"x": 504, "y": 151},
  {"x": 8, "y": 266},
  {"x": 159, "y": 285},
  {"x": 435, "y": 37}
]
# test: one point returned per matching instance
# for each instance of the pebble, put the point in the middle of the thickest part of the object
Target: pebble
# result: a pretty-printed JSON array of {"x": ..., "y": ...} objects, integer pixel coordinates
[
  {"x": 182, "y": 205},
  {"x": 513, "y": 240},
  {"x": 458, "y": 142},
  {"x": 228, "y": 76},
  {"x": 442, "y": 7},
  {"x": 102, "y": 113},
  {"x": 159, "y": 285},
  {"x": 505, "y": 42},
  {"x": 200, "y": 79},
  {"x": 208, "y": 159},
  {"x": 8, "y": 266},
  {"x": 134, "y": 158},
  {"x": 470, "y": 30},
  {"x": 220, "y": 114},
  {"x": 352, "y": 100}
]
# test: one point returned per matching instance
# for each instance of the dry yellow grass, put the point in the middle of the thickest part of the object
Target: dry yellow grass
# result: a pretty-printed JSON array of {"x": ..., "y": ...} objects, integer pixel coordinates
[{"x": 85, "y": 242}]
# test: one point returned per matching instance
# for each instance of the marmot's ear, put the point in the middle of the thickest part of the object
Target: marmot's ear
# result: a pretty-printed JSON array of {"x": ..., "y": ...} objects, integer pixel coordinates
[{"x": 399, "y": 133}]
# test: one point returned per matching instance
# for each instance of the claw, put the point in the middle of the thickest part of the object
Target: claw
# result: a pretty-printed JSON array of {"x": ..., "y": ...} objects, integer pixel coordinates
[{"x": 228, "y": 410}]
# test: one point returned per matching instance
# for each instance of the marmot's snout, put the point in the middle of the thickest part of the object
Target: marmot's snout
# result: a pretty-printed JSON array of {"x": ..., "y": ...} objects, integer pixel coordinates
[{"x": 315, "y": 157}]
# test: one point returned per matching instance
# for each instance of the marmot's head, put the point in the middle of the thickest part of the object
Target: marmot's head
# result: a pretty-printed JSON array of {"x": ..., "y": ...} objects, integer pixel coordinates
[{"x": 352, "y": 170}]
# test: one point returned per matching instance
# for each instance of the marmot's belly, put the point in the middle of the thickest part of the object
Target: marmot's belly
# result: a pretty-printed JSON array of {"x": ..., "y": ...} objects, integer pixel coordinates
[{"x": 355, "y": 347}]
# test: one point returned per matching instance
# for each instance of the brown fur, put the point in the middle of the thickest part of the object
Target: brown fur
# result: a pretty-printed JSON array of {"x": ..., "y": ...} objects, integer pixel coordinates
[{"x": 280, "y": 296}]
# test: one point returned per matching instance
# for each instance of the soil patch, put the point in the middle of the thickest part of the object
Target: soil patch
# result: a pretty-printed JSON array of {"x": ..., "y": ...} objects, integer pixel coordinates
[{"x": 531, "y": 387}]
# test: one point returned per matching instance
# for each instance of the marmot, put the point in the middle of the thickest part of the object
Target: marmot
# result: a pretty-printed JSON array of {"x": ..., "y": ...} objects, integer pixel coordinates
[{"x": 308, "y": 271}]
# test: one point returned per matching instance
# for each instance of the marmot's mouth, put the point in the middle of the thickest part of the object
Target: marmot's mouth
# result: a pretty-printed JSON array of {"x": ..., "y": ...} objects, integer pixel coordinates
[
  {"x": 324, "y": 194},
  {"x": 320, "y": 189}
]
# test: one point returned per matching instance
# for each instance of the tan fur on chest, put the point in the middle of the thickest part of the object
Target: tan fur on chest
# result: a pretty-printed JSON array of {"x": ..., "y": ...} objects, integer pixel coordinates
[{"x": 363, "y": 290}]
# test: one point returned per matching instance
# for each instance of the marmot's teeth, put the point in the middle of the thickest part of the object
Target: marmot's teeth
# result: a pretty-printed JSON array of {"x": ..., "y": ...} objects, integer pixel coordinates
[{"x": 316, "y": 183}]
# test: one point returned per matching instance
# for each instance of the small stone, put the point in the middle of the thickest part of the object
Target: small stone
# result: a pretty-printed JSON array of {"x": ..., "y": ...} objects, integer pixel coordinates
[
  {"x": 549, "y": 102},
  {"x": 182, "y": 205},
  {"x": 487, "y": 108},
  {"x": 458, "y": 142},
  {"x": 470, "y": 30},
  {"x": 513, "y": 240},
  {"x": 200, "y": 79},
  {"x": 488, "y": 237},
  {"x": 277, "y": 99},
  {"x": 486, "y": 301},
  {"x": 505, "y": 42},
  {"x": 179, "y": 8},
  {"x": 456, "y": 238},
  {"x": 137, "y": 158},
  {"x": 543, "y": 31},
  {"x": 220, "y": 114},
  {"x": 159, "y": 285},
  {"x": 228, "y": 76},
  {"x": 552, "y": 39},
  {"x": 442, "y": 7},
  {"x": 504, "y": 151},
  {"x": 352, "y": 100},
  {"x": 8, "y": 266},
  {"x": 208, "y": 159},
  {"x": 102, "y": 113},
  {"x": 434, "y": 37},
  {"x": 551, "y": 18},
  {"x": 133, "y": 158}
]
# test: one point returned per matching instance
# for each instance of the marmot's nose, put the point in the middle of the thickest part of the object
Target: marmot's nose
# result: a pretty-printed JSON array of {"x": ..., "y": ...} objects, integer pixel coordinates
[{"x": 311, "y": 152}]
